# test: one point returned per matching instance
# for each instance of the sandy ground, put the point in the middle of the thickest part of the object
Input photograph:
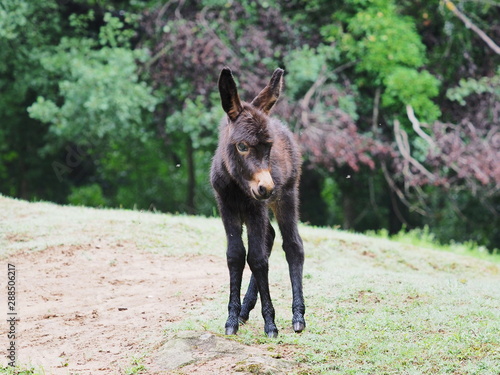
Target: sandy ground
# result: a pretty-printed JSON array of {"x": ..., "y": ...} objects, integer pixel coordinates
[{"x": 90, "y": 309}]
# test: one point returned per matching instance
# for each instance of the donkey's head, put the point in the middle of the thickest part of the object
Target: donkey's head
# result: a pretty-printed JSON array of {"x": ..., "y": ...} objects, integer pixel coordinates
[{"x": 249, "y": 137}]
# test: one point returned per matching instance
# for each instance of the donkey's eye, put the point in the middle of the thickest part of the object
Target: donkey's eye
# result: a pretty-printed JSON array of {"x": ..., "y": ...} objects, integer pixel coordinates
[{"x": 242, "y": 147}]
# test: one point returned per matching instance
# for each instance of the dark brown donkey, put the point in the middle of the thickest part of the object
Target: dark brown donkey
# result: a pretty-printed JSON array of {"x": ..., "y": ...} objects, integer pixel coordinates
[{"x": 257, "y": 166}]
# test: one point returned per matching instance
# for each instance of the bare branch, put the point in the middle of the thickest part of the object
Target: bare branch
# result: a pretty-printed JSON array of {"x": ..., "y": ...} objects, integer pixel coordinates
[
  {"x": 322, "y": 77},
  {"x": 399, "y": 193},
  {"x": 397, "y": 211},
  {"x": 468, "y": 23},
  {"x": 345, "y": 66},
  {"x": 202, "y": 20},
  {"x": 416, "y": 126},
  {"x": 376, "y": 103},
  {"x": 162, "y": 11},
  {"x": 371, "y": 190},
  {"x": 177, "y": 12},
  {"x": 404, "y": 148},
  {"x": 304, "y": 103}
]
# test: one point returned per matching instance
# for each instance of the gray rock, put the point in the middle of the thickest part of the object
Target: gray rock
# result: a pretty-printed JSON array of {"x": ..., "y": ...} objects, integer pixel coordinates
[{"x": 205, "y": 352}]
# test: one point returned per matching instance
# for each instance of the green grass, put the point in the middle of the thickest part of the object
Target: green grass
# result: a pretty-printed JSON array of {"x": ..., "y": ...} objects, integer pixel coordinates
[
  {"x": 374, "y": 305},
  {"x": 136, "y": 367},
  {"x": 19, "y": 371},
  {"x": 423, "y": 237}
]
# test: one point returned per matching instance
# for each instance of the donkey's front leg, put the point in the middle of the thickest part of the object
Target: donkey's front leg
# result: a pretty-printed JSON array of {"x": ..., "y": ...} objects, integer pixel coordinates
[
  {"x": 251, "y": 294},
  {"x": 235, "y": 262},
  {"x": 258, "y": 262}
]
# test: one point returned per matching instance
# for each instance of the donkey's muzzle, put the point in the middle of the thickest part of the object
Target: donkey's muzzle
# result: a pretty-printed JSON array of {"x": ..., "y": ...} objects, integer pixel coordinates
[
  {"x": 264, "y": 192},
  {"x": 262, "y": 185}
]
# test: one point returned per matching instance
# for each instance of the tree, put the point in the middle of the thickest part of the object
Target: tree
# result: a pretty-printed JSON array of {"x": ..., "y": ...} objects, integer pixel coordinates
[{"x": 394, "y": 102}]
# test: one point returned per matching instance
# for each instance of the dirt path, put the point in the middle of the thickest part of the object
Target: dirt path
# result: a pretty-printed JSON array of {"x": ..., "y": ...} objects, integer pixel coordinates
[{"x": 90, "y": 309}]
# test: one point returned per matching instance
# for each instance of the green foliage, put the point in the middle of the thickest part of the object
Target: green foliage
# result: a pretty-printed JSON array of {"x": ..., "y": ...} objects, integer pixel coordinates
[
  {"x": 81, "y": 22},
  {"x": 460, "y": 218},
  {"x": 24, "y": 33},
  {"x": 89, "y": 195},
  {"x": 409, "y": 86},
  {"x": 114, "y": 33},
  {"x": 388, "y": 52},
  {"x": 70, "y": 83},
  {"x": 303, "y": 67},
  {"x": 471, "y": 86},
  {"x": 197, "y": 121},
  {"x": 13, "y": 15},
  {"x": 331, "y": 195},
  {"x": 306, "y": 65},
  {"x": 380, "y": 38},
  {"x": 194, "y": 132},
  {"x": 100, "y": 92},
  {"x": 141, "y": 178},
  {"x": 348, "y": 104}
]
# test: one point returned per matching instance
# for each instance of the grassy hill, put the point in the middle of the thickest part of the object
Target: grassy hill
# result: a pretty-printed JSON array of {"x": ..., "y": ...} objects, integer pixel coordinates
[{"x": 374, "y": 306}]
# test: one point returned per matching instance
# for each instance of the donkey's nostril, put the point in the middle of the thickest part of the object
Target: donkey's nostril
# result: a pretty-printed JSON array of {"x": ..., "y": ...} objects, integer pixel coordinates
[
  {"x": 262, "y": 190},
  {"x": 265, "y": 192}
]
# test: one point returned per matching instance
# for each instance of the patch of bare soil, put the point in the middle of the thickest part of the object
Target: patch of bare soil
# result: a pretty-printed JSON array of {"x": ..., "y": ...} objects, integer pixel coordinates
[{"x": 90, "y": 309}]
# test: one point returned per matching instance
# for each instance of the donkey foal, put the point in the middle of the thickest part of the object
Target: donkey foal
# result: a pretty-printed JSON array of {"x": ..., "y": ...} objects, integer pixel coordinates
[{"x": 257, "y": 167}]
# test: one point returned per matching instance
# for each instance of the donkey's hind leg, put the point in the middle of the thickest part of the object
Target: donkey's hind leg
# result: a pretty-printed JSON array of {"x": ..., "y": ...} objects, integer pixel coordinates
[
  {"x": 287, "y": 217},
  {"x": 251, "y": 295}
]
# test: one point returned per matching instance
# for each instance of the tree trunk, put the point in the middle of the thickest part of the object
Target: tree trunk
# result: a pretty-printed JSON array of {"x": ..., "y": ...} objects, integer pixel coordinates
[
  {"x": 348, "y": 210},
  {"x": 191, "y": 177}
]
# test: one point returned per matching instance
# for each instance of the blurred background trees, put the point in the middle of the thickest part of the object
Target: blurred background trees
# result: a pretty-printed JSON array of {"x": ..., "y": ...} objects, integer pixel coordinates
[{"x": 395, "y": 103}]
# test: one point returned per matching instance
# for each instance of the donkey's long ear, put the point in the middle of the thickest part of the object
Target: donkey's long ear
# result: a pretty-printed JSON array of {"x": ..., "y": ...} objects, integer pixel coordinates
[
  {"x": 229, "y": 94},
  {"x": 267, "y": 98}
]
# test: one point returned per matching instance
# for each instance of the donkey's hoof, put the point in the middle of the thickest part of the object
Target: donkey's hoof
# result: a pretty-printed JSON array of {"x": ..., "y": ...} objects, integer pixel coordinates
[
  {"x": 242, "y": 320},
  {"x": 231, "y": 330},
  {"x": 299, "y": 326},
  {"x": 231, "y": 327},
  {"x": 272, "y": 334},
  {"x": 271, "y": 330}
]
